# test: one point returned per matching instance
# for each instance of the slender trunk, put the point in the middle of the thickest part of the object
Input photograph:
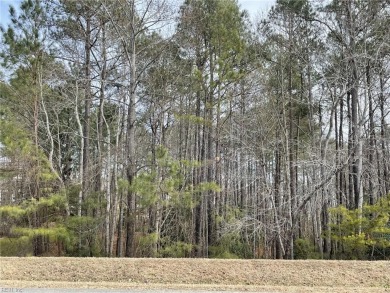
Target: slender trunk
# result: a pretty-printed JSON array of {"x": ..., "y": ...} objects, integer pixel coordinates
[
  {"x": 351, "y": 156},
  {"x": 48, "y": 130},
  {"x": 371, "y": 156},
  {"x": 101, "y": 141},
  {"x": 218, "y": 169},
  {"x": 115, "y": 191},
  {"x": 385, "y": 166},
  {"x": 279, "y": 248},
  {"x": 131, "y": 118},
  {"x": 87, "y": 109},
  {"x": 290, "y": 146},
  {"x": 210, "y": 177},
  {"x": 81, "y": 134},
  {"x": 119, "y": 247},
  {"x": 37, "y": 97},
  {"x": 354, "y": 96},
  {"x": 198, "y": 231}
]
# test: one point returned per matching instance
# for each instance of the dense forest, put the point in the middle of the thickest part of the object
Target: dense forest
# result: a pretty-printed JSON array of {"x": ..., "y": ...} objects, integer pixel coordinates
[{"x": 161, "y": 128}]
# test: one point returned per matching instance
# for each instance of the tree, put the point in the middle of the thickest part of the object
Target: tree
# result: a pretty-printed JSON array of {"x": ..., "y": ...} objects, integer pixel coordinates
[
  {"x": 24, "y": 52},
  {"x": 215, "y": 45},
  {"x": 289, "y": 38}
]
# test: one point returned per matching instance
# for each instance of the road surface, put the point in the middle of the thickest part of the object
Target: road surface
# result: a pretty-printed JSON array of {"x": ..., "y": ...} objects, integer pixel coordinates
[{"x": 41, "y": 290}]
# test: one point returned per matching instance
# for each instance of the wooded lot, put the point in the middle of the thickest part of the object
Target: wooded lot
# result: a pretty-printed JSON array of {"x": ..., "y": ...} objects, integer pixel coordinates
[{"x": 167, "y": 128}]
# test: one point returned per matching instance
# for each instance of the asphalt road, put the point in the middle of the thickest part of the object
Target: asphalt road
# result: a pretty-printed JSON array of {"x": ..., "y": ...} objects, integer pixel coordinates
[{"x": 41, "y": 290}]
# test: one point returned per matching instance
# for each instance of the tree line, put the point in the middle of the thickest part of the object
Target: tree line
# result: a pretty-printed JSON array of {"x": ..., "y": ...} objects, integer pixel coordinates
[{"x": 161, "y": 128}]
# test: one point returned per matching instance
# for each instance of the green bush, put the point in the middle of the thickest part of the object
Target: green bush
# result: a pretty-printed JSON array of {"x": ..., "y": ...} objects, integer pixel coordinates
[
  {"x": 175, "y": 249},
  {"x": 359, "y": 233},
  {"x": 305, "y": 249},
  {"x": 230, "y": 245},
  {"x": 21, "y": 246},
  {"x": 84, "y": 236},
  {"x": 147, "y": 244},
  {"x": 221, "y": 252}
]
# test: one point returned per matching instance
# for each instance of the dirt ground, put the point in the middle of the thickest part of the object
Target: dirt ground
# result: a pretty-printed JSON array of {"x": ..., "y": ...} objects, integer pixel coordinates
[{"x": 200, "y": 274}]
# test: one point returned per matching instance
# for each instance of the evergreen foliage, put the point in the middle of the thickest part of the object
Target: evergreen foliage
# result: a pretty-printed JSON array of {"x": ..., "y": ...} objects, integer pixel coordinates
[{"x": 361, "y": 233}]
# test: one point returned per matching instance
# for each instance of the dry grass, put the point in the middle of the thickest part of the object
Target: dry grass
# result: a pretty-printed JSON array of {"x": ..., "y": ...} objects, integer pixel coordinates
[{"x": 210, "y": 274}]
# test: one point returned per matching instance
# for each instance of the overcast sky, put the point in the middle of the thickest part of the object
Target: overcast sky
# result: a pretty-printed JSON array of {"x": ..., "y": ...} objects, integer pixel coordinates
[{"x": 253, "y": 6}]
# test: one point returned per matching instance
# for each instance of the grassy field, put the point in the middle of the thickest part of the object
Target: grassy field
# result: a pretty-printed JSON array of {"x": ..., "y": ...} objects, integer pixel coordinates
[{"x": 205, "y": 274}]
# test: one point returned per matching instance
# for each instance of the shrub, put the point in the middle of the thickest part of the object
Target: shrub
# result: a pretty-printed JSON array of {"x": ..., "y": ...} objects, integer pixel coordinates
[
  {"x": 175, "y": 249},
  {"x": 359, "y": 233},
  {"x": 21, "y": 246},
  {"x": 305, "y": 249},
  {"x": 230, "y": 245},
  {"x": 147, "y": 244}
]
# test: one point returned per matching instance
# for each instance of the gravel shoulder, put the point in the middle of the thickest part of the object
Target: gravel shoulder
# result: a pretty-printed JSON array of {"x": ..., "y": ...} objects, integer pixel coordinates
[{"x": 196, "y": 274}]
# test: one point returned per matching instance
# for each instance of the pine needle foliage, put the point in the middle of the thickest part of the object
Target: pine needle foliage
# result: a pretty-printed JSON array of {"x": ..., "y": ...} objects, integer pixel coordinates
[{"x": 361, "y": 233}]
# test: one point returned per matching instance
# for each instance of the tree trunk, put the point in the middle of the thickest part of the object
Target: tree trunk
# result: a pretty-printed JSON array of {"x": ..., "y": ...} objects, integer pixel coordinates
[
  {"x": 87, "y": 109},
  {"x": 131, "y": 118}
]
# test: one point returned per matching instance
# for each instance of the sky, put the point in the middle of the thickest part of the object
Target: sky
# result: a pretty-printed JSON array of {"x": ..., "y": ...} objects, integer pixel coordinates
[
  {"x": 4, "y": 4},
  {"x": 256, "y": 6},
  {"x": 252, "y": 6}
]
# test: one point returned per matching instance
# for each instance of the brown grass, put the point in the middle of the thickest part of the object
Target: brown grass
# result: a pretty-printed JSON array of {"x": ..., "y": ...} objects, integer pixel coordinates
[{"x": 210, "y": 274}]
